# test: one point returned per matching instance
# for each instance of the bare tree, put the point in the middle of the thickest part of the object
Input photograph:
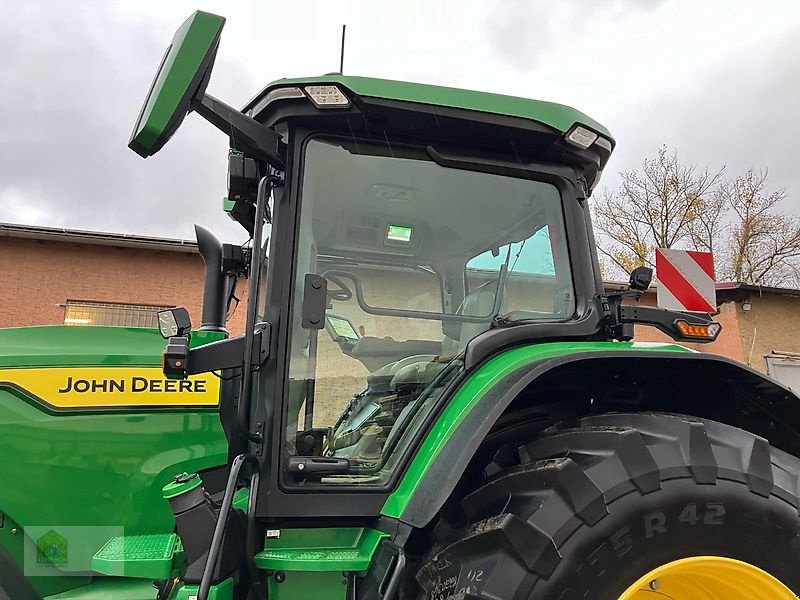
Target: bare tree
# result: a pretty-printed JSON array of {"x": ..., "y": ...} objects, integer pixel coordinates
[
  {"x": 659, "y": 206},
  {"x": 764, "y": 242},
  {"x": 669, "y": 204}
]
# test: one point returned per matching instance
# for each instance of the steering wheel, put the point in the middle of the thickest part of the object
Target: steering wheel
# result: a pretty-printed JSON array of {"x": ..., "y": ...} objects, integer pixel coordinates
[{"x": 342, "y": 294}]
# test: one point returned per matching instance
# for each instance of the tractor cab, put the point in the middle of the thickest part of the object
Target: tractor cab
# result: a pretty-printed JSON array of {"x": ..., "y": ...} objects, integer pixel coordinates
[{"x": 408, "y": 221}]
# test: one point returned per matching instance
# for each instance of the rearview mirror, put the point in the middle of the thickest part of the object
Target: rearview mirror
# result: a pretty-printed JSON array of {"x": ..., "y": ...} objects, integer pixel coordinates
[
  {"x": 180, "y": 81},
  {"x": 174, "y": 322}
]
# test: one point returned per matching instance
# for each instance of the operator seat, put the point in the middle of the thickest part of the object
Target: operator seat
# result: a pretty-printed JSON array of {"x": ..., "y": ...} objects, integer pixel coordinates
[{"x": 476, "y": 304}]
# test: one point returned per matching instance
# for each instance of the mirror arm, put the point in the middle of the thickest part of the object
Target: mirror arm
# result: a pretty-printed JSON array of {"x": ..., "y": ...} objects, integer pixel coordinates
[
  {"x": 227, "y": 354},
  {"x": 621, "y": 319},
  {"x": 246, "y": 133}
]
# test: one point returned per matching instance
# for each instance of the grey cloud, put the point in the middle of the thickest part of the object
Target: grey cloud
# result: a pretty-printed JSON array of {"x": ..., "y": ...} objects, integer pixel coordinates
[
  {"x": 73, "y": 81},
  {"x": 521, "y": 31},
  {"x": 743, "y": 112}
]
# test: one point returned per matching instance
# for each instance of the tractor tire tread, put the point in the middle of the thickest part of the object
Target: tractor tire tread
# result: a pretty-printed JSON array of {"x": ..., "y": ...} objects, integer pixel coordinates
[{"x": 568, "y": 477}]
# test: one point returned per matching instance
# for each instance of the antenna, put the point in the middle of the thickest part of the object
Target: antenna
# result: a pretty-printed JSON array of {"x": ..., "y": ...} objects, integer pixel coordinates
[{"x": 341, "y": 56}]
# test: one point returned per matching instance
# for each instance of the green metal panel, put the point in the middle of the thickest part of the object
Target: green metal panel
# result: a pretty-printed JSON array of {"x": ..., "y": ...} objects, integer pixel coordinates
[
  {"x": 308, "y": 586},
  {"x": 558, "y": 116},
  {"x": 222, "y": 591},
  {"x": 475, "y": 387},
  {"x": 319, "y": 550},
  {"x": 99, "y": 470},
  {"x": 65, "y": 346},
  {"x": 142, "y": 556},
  {"x": 114, "y": 588}
]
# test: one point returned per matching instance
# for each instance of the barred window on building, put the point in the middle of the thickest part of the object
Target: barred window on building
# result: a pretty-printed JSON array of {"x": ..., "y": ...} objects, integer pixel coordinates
[{"x": 78, "y": 312}]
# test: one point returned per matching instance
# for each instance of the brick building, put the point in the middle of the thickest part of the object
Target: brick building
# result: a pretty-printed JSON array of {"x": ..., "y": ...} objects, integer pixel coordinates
[{"x": 56, "y": 276}]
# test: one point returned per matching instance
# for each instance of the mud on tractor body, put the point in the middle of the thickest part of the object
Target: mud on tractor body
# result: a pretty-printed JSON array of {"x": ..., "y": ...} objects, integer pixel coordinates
[{"x": 435, "y": 398}]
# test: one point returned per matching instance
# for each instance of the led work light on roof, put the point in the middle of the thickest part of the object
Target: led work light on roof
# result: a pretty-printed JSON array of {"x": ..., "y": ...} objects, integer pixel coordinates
[
  {"x": 284, "y": 93},
  {"x": 581, "y": 137},
  {"x": 324, "y": 96}
]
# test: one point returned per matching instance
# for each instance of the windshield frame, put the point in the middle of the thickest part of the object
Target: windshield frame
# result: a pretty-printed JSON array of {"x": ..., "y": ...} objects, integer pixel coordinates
[{"x": 287, "y": 211}]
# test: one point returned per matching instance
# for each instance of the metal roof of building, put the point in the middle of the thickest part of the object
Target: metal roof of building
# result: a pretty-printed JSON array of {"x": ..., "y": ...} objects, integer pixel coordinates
[{"x": 99, "y": 238}]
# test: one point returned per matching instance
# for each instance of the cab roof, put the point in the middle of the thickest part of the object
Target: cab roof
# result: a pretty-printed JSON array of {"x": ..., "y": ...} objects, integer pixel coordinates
[{"x": 557, "y": 116}]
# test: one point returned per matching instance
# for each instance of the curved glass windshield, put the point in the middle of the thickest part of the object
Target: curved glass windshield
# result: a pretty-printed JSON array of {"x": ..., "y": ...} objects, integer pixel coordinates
[{"x": 418, "y": 259}]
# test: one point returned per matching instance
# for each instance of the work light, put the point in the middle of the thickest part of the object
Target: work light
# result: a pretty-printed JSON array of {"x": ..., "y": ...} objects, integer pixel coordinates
[{"x": 324, "y": 96}]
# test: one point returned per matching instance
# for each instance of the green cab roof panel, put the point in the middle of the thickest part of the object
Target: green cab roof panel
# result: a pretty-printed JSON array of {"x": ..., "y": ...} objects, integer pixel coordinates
[{"x": 557, "y": 116}]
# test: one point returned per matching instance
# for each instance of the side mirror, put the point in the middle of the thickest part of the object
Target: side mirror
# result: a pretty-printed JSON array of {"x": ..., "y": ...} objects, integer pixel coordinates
[
  {"x": 180, "y": 81},
  {"x": 641, "y": 277},
  {"x": 180, "y": 87},
  {"x": 174, "y": 322}
]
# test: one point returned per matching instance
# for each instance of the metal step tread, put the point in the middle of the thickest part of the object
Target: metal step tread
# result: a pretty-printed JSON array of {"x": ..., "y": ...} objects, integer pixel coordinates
[
  {"x": 297, "y": 551},
  {"x": 145, "y": 556}
]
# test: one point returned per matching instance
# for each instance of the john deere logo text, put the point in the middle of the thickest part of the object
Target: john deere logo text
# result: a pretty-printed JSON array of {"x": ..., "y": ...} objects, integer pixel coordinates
[
  {"x": 131, "y": 384},
  {"x": 109, "y": 387}
]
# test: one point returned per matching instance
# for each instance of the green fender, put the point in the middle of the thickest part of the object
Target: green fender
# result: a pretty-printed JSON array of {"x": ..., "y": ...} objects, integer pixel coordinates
[{"x": 483, "y": 394}]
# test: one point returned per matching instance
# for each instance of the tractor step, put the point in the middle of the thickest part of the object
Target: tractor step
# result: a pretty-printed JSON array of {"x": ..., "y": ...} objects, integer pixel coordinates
[
  {"x": 323, "y": 550},
  {"x": 140, "y": 556}
]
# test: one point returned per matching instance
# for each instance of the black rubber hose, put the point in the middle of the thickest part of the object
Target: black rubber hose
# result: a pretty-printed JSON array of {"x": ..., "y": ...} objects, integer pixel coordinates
[{"x": 219, "y": 529}]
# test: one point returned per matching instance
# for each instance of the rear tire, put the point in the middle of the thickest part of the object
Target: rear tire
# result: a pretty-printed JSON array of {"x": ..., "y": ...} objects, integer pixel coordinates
[{"x": 584, "y": 512}]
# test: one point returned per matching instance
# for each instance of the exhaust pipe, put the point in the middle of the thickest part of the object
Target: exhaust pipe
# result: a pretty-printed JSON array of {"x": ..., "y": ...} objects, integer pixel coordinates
[{"x": 215, "y": 287}]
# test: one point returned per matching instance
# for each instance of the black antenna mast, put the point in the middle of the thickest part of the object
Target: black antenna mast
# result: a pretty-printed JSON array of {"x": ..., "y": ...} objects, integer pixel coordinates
[{"x": 341, "y": 56}]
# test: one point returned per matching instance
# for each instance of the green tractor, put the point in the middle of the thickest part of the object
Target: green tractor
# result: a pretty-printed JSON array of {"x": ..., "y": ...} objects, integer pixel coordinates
[{"x": 434, "y": 396}]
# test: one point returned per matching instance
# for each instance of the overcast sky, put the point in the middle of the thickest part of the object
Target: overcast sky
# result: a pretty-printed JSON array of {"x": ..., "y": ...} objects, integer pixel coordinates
[{"x": 718, "y": 80}]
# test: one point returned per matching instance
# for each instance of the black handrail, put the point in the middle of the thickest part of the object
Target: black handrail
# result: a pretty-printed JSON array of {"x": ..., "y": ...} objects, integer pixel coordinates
[{"x": 243, "y": 410}]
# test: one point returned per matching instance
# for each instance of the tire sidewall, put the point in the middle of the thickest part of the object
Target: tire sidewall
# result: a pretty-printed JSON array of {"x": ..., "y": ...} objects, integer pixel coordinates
[{"x": 682, "y": 519}]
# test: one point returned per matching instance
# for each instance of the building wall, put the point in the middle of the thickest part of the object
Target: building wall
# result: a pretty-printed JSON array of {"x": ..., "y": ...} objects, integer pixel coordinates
[
  {"x": 771, "y": 325},
  {"x": 39, "y": 276}
]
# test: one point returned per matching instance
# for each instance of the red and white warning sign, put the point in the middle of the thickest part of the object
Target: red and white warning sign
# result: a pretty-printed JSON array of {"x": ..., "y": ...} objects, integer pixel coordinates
[{"x": 686, "y": 280}]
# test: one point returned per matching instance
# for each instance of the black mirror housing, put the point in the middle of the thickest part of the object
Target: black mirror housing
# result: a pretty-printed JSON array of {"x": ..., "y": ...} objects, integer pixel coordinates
[
  {"x": 174, "y": 322},
  {"x": 641, "y": 278}
]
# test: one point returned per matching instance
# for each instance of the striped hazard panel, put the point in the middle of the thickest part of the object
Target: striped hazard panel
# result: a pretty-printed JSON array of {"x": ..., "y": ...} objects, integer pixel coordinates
[{"x": 686, "y": 280}]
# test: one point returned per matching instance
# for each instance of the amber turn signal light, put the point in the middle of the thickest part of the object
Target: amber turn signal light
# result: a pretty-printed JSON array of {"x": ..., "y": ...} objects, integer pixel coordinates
[{"x": 708, "y": 331}]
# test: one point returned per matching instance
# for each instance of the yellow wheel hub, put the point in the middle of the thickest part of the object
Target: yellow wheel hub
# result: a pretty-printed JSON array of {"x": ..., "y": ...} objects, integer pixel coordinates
[{"x": 708, "y": 578}]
